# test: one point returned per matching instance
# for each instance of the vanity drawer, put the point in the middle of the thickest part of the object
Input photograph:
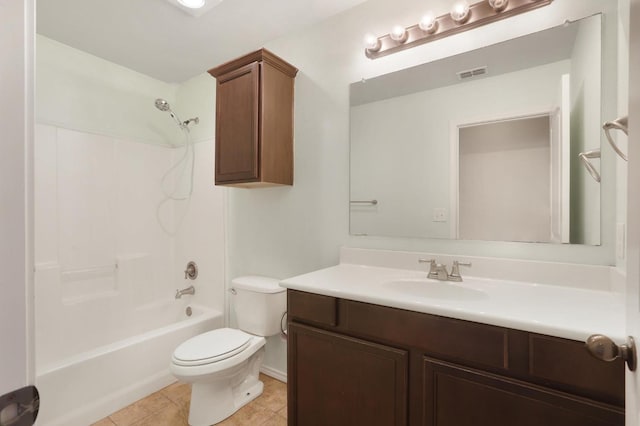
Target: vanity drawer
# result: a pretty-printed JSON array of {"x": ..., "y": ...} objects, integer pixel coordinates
[
  {"x": 446, "y": 338},
  {"x": 567, "y": 364},
  {"x": 313, "y": 308}
]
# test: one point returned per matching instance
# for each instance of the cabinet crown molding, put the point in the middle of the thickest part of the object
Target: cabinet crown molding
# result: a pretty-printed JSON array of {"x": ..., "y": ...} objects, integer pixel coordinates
[{"x": 262, "y": 55}]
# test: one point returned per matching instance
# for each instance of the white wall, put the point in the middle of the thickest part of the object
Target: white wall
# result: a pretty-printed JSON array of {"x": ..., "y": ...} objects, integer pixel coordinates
[
  {"x": 504, "y": 186},
  {"x": 586, "y": 132},
  {"x": 282, "y": 232},
  {"x": 16, "y": 121},
  {"x": 623, "y": 107},
  {"x": 79, "y": 91}
]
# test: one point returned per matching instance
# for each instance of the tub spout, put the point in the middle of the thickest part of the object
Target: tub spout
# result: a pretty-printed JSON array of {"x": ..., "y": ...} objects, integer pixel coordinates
[{"x": 189, "y": 290}]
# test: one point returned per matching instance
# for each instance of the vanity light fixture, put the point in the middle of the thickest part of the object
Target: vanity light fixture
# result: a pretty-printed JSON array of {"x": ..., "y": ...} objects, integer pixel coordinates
[
  {"x": 463, "y": 17},
  {"x": 428, "y": 23},
  {"x": 498, "y": 5},
  {"x": 460, "y": 12},
  {"x": 398, "y": 34},
  {"x": 372, "y": 43}
]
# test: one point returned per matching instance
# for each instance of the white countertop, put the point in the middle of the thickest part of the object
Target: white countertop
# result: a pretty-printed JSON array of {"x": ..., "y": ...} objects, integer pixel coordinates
[{"x": 554, "y": 310}]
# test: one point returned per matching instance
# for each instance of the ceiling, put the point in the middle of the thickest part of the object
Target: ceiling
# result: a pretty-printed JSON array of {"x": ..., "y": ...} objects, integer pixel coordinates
[{"x": 158, "y": 39}]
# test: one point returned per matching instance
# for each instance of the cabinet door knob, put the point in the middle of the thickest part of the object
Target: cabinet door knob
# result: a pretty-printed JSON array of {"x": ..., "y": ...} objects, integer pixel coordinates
[{"x": 602, "y": 347}]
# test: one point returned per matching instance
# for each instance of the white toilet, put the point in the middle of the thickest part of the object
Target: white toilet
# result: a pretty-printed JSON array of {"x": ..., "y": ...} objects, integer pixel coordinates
[{"x": 223, "y": 365}]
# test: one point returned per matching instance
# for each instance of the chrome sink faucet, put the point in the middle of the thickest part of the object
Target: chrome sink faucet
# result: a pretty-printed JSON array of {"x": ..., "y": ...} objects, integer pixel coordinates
[
  {"x": 189, "y": 290},
  {"x": 438, "y": 271}
]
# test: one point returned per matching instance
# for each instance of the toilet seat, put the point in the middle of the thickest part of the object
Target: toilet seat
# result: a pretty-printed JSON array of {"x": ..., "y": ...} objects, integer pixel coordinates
[{"x": 211, "y": 347}]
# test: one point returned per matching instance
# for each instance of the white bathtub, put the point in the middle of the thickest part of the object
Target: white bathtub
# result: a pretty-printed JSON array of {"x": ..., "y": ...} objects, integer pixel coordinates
[{"x": 88, "y": 386}]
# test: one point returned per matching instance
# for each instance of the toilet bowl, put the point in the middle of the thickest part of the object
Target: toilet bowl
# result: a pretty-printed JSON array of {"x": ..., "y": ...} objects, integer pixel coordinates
[{"x": 223, "y": 365}]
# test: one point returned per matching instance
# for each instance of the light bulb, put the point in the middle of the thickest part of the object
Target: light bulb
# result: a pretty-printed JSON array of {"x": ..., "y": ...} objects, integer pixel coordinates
[
  {"x": 498, "y": 5},
  {"x": 192, "y": 4},
  {"x": 398, "y": 33},
  {"x": 460, "y": 12},
  {"x": 371, "y": 43},
  {"x": 428, "y": 23}
]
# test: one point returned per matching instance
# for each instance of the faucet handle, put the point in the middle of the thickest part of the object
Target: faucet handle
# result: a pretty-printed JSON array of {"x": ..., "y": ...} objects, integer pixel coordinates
[
  {"x": 192, "y": 271},
  {"x": 455, "y": 270},
  {"x": 433, "y": 267}
]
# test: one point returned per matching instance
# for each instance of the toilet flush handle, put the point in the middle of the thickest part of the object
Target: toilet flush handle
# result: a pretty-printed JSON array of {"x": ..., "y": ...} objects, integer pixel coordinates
[{"x": 284, "y": 331}]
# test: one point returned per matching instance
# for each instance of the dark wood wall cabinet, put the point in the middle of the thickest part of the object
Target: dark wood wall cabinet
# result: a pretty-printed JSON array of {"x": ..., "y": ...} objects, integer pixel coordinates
[
  {"x": 254, "y": 121},
  {"x": 353, "y": 363}
]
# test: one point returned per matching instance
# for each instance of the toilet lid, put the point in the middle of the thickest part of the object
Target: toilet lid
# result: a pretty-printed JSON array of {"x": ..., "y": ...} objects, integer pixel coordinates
[{"x": 212, "y": 346}]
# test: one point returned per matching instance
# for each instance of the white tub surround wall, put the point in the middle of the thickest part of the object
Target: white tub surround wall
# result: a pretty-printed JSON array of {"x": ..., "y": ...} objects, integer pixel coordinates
[
  {"x": 106, "y": 270},
  {"x": 536, "y": 302},
  {"x": 200, "y": 222},
  {"x": 100, "y": 255},
  {"x": 79, "y": 91}
]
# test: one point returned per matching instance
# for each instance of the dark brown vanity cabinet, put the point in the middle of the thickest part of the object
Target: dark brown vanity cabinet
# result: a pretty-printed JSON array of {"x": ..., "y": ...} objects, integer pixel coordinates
[
  {"x": 353, "y": 363},
  {"x": 343, "y": 381},
  {"x": 254, "y": 121}
]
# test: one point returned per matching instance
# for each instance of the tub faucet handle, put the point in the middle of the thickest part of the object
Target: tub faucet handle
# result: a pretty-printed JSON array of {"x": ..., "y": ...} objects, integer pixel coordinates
[{"x": 192, "y": 271}]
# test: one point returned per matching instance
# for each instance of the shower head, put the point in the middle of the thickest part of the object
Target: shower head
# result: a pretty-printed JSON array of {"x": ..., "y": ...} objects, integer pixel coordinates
[{"x": 162, "y": 105}]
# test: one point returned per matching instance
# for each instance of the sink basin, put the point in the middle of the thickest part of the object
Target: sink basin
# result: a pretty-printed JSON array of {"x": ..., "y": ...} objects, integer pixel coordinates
[{"x": 432, "y": 289}]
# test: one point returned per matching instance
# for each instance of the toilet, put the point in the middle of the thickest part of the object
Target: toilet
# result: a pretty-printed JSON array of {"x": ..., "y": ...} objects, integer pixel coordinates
[{"x": 222, "y": 365}]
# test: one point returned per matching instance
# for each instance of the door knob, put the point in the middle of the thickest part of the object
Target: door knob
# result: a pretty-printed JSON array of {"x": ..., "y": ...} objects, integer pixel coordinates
[{"x": 605, "y": 349}]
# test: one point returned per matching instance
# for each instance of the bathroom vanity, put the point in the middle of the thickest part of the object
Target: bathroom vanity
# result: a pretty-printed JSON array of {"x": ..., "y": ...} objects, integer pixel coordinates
[{"x": 448, "y": 356}]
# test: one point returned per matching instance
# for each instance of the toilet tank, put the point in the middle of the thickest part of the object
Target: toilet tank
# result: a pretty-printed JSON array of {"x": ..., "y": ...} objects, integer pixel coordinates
[{"x": 259, "y": 303}]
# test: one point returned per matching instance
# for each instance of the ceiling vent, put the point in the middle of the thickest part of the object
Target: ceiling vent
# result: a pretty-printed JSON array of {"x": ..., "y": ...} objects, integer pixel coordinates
[{"x": 463, "y": 75}]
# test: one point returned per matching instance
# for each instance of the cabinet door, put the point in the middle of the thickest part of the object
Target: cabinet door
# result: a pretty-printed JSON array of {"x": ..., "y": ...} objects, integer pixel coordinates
[
  {"x": 337, "y": 380},
  {"x": 237, "y": 125},
  {"x": 459, "y": 396}
]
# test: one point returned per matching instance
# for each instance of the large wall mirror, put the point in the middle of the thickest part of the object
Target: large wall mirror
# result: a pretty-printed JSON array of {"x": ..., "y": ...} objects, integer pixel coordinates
[{"x": 484, "y": 145}]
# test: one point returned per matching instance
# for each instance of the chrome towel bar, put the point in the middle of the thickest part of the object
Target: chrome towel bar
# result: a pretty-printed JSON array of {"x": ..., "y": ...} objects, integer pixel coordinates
[{"x": 372, "y": 202}]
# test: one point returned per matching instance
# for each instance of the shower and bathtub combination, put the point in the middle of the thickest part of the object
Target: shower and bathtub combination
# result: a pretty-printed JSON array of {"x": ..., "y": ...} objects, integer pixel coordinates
[{"x": 108, "y": 264}]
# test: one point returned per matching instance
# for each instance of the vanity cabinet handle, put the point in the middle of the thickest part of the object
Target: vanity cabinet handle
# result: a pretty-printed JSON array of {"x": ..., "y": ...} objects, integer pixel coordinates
[{"x": 602, "y": 347}]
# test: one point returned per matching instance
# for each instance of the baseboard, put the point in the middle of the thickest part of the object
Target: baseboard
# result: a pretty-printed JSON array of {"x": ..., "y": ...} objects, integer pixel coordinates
[{"x": 272, "y": 372}]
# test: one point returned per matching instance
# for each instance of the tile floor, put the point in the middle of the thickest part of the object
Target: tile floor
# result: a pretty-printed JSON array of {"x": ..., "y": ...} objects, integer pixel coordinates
[{"x": 170, "y": 407}]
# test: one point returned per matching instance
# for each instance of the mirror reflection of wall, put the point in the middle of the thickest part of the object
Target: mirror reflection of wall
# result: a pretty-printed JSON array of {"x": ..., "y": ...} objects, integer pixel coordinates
[
  {"x": 504, "y": 187},
  {"x": 404, "y": 127}
]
